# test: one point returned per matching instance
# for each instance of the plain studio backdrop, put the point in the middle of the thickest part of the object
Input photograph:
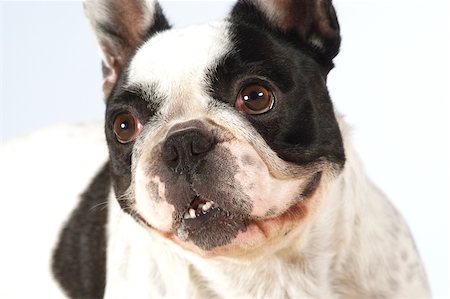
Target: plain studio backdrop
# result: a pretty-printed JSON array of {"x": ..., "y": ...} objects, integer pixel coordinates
[{"x": 391, "y": 82}]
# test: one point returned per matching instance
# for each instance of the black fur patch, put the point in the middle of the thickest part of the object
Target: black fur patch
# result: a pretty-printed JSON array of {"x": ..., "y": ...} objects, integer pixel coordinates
[
  {"x": 301, "y": 127},
  {"x": 304, "y": 22},
  {"x": 79, "y": 260},
  {"x": 119, "y": 102}
]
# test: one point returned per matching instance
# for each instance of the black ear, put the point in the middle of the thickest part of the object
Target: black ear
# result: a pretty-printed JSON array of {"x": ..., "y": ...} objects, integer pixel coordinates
[
  {"x": 313, "y": 23},
  {"x": 120, "y": 27}
]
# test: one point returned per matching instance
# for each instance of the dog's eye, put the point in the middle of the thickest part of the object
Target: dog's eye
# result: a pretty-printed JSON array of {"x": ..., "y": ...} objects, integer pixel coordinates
[
  {"x": 126, "y": 127},
  {"x": 255, "y": 99}
]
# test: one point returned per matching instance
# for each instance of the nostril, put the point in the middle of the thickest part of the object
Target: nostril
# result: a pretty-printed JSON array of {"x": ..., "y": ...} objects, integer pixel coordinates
[
  {"x": 170, "y": 153},
  {"x": 201, "y": 145}
]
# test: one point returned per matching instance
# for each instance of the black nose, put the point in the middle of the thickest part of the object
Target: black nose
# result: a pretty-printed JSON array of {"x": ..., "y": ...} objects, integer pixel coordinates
[{"x": 185, "y": 147}]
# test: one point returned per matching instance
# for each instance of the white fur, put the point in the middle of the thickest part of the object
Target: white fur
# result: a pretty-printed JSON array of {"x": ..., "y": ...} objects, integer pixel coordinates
[
  {"x": 175, "y": 64},
  {"x": 265, "y": 191}
]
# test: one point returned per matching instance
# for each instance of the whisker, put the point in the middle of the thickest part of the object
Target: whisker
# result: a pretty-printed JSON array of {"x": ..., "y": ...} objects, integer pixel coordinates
[{"x": 102, "y": 206}]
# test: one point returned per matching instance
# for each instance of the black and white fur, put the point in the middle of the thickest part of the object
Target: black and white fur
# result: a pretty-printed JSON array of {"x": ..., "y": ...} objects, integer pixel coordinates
[{"x": 296, "y": 216}]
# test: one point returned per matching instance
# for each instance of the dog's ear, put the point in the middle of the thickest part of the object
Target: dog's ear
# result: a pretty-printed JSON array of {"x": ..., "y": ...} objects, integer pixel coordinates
[
  {"x": 310, "y": 22},
  {"x": 120, "y": 27}
]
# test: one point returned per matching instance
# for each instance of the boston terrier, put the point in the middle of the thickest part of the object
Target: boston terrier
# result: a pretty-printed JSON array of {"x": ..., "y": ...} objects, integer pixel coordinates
[{"x": 230, "y": 174}]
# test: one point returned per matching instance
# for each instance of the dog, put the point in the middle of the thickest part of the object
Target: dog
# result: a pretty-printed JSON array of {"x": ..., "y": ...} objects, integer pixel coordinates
[{"x": 230, "y": 174}]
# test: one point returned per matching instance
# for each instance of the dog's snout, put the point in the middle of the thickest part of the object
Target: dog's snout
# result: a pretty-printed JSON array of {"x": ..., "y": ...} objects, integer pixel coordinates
[{"x": 185, "y": 147}]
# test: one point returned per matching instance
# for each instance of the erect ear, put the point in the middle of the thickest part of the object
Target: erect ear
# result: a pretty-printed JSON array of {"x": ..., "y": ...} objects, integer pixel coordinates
[
  {"x": 120, "y": 27},
  {"x": 311, "y": 22}
]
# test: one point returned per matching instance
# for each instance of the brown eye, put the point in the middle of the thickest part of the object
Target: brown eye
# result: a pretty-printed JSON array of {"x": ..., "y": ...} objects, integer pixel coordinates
[
  {"x": 255, "y": 99},
  {"x": 126, "y": 127}
]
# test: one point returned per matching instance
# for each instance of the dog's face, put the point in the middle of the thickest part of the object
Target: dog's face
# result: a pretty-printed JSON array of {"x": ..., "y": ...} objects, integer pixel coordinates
[{"x": 221, "y": 135}]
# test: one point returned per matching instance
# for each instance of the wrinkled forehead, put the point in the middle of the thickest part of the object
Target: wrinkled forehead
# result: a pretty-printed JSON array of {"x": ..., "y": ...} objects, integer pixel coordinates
[{"x": 177, "y": 62}]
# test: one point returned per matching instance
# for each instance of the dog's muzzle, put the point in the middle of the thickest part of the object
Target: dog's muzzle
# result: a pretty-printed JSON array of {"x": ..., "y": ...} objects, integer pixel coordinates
[{"x": 210, "y": 191}]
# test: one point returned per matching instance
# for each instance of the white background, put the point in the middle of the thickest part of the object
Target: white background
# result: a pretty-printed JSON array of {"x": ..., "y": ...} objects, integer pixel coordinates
[{"x": 391, "y": 82}]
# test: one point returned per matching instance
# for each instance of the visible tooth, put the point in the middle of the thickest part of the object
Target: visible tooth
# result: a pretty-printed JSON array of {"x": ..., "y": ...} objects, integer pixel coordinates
[
  {"x": 200, "y": 206},
  {"x": 207, "y": 206},
  {"x": 186, "y": 215},
  {"x": 192, "y": 213}
]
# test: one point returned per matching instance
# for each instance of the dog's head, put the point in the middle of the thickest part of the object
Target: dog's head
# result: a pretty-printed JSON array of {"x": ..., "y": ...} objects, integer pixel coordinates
[{"x": 220, "y": 136}]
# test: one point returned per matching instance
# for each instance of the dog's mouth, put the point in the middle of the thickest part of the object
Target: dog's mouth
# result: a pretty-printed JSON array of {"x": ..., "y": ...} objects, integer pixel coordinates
[
  {"x": 200, "y": 207},
  {"x": 208, "y": 224},
  {"x": 211, "y": 224}
]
